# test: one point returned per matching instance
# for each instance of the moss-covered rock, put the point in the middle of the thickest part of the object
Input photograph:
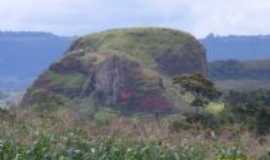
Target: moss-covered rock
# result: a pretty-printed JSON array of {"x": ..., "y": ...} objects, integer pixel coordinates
[{"x": 129, "y": 69}]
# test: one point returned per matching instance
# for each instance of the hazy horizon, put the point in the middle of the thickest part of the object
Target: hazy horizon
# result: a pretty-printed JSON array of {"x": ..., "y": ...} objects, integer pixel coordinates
[
  {"x": 77, "y": 35},
  {"x": 79, "y": 17}
]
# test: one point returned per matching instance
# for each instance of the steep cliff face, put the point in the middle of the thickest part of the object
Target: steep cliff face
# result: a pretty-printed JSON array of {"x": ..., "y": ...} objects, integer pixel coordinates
[{"x": 130, "y": 69}]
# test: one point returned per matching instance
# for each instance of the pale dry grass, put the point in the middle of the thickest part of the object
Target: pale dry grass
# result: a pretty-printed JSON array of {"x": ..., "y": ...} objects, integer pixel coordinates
[{"x": 26, "y": 126}]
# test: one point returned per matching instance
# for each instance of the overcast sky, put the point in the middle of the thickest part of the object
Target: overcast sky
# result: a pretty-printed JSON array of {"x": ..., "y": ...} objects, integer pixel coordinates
[{"x": 77, "y": 17}]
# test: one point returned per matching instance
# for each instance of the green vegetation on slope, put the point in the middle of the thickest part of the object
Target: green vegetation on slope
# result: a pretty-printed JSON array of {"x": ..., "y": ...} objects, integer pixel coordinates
[
  {"x": 67, "y": 81},
  {"x": 141, "y": 43}
]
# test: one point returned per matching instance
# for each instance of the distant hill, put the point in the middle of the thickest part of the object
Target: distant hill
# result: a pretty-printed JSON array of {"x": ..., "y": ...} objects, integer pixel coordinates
[
  {"x": 26, "y": 54},
  {"x": 237, "y": 47},
  {"x": 233, "y": 74},
  {"x": 2, "y": 95},
  {"x": 233, "y": 69}
]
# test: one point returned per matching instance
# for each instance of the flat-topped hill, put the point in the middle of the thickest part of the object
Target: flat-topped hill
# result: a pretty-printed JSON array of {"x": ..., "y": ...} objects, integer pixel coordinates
[{"x": 128, "y": 69}]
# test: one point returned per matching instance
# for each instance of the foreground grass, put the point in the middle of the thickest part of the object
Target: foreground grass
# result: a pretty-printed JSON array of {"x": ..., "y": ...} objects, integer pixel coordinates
[
  {"x": 79, "y": 149},
  {"x": 63, "y": 136}
]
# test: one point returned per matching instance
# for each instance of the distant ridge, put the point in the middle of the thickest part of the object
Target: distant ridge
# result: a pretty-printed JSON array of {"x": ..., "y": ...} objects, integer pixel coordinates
[
  {"x": 26, "y": 33},
  {"x": 26, "y": 54},
  {"x": 237, "y": 47}
]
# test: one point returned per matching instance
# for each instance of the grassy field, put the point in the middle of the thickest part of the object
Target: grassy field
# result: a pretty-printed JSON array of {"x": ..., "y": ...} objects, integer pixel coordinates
[{"x": 63, "y": 135}]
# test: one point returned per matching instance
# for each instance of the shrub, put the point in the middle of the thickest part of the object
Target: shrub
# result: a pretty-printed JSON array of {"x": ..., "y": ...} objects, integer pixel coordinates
[
  {"x": 251, "y": 108},
  {"x": 177, "y": 125},
  {"x": 215, "y": 108},
  {"x": 198, "y": 85},
  {"x": 265, "y": 157},
  {"x": 206, "y": 120}
]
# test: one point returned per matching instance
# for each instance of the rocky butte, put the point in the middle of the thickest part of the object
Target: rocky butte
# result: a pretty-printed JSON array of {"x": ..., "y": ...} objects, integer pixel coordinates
[{"x": 126, "y": 69}]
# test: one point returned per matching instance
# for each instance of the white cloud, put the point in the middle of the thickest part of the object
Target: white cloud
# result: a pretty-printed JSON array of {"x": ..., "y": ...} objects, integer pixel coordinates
[
  {"x": 199, "y": 17},
  {"x": 219, "y": 16}
]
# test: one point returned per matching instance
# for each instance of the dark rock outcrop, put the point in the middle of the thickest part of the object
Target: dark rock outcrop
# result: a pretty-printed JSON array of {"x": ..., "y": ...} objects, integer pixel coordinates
[{"x": 130, "y": 69}]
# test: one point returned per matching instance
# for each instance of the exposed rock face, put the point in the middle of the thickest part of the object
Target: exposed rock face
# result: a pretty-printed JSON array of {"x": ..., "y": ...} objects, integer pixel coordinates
[{"x": 124, "y": 68}]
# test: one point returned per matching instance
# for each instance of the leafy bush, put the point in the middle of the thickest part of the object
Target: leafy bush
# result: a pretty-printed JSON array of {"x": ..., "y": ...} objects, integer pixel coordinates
[
  {"x": 177, "y": 125},
  {"x": 208, "y": 120},
  {"x": 265, "y": 157},
  {"x": 215, "y": 108},
  {"x": 198, "y": 85},
  {"x": 253, "y": 108}
]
